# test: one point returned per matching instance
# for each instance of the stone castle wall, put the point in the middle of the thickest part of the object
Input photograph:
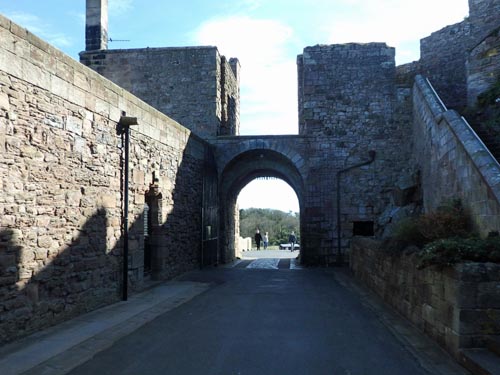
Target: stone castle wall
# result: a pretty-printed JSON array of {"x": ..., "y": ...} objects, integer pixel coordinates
[
  {"x": 453, "y": 162},
  {"x": 443, "y": 54},
  {"x": 195, "y": 86},
  {"x": 60, "y": 179},
  {"x": 350, "y": 104},
  {"x": 346, "y": 86},
  {"x": 483, "y": 66}
]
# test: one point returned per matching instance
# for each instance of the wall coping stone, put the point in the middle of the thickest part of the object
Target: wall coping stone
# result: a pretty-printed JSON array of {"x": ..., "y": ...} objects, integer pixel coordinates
[
  {"x": 487, "y": 166},
  {"x": 65, "y": 85}
]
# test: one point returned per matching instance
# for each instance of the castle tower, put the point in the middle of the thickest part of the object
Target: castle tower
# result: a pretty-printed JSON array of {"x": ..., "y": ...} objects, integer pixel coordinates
[{"x": 96, "y": 25}]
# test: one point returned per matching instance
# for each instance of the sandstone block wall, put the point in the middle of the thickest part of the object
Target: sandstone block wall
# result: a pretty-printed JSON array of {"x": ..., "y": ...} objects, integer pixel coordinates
[
  {"x": 345, "y": 85},
  {"x": 443, "y": 54},
  {"x": 60, "y": 179},
  {"x": 349, "y": 104},
  {"x": 454, "y": 163},
  {"x": 195, "y": 86},
  {"x": 457, "y": 306},
  {"x": 483, "y": 66}
]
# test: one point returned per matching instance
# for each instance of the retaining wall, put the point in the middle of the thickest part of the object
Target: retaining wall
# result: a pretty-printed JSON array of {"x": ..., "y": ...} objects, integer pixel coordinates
[{"x": 458, "y": 306}]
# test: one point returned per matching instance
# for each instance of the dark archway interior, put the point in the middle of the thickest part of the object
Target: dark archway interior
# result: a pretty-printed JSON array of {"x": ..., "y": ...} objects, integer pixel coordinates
[{"x": 237, "y": 174}]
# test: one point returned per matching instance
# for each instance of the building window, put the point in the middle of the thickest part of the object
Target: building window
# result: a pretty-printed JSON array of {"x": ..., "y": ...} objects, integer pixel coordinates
[{"x": 362, "y": 228}]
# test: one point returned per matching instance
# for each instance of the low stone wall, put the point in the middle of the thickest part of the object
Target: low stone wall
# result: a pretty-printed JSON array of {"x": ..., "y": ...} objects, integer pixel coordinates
[{"x": 457, "y": 306}]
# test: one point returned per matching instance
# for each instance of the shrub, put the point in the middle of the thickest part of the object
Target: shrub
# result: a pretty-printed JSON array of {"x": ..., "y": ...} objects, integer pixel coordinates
[
  {"x": 446, "y": 238},
  {"x": 445, "y": 252},
  {"x": 449, "y": 220}
]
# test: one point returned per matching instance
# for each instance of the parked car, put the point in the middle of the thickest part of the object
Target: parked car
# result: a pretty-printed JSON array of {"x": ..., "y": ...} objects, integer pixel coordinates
[{"x": 286, "y": 246}]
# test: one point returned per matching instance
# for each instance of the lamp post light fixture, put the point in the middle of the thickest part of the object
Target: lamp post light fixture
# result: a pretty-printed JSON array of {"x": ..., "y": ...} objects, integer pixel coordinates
[{"x": 123, "y": 129}]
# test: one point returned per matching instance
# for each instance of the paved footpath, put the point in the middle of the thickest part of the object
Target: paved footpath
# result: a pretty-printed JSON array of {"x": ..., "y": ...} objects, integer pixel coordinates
[
  {"x": 59, "y": 349},
  {"x": 237, "y": 320}
]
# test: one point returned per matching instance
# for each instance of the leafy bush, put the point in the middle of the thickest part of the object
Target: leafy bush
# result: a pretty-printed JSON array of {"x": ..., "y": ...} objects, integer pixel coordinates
[
  {"x": 449, "y": 220},
  {"x": 445, "y": 238},
  {"x": 448, "y": 251}
]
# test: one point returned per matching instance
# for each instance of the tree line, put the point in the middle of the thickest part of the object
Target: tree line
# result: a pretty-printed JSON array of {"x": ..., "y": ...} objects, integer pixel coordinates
[{"x": 277, "y": 223}]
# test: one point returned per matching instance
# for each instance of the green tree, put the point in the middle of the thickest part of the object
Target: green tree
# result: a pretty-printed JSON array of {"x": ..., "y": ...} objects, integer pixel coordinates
[{"x": 277, "y": 223}]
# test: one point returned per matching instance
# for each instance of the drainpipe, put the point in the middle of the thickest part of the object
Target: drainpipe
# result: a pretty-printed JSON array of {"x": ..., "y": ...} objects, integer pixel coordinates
[
  {"x": 123, "y": 129},
  {"x": 371, "y": 154}
]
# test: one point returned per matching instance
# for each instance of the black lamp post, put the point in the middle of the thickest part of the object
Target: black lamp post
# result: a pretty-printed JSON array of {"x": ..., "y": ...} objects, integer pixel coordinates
[{"x": 123, "y": 129}]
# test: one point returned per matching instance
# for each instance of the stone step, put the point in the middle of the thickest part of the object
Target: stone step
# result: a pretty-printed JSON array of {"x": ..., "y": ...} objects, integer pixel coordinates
[
  {"x": 493, "y": 344},
  {"x": 480, "y": 361}
]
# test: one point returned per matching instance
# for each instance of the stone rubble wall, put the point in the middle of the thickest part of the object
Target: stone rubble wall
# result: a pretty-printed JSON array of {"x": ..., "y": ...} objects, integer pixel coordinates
[
  {"x": 454, "y": 163},
  {"x": 443, "y": 54},
  {"x": 483, "y": 66},
  {"x": 345, "y": 86},
  {"x": 350, "y": 104},
  {"x": 195, "y": 86},
  {"x": 457, "y": 306},
  {"x": 230, "y": 97},
  {"x": 442, "y": 60},
  {"x": 60, "y": 187}
]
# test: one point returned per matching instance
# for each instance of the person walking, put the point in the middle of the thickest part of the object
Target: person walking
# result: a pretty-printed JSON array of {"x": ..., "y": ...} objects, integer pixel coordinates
[
  {"x": 292, "y": 239},
  {"x": 258, "y": 238},
  {"x": 266, "y": 240}
]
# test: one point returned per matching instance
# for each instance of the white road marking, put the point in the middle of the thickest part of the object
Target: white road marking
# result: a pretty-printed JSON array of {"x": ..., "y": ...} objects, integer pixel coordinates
[{"x": 263, "y": 263}]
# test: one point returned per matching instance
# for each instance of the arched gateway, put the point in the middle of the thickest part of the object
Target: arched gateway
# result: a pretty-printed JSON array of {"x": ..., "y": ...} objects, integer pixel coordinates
[
  {"x": 348, "y": 104},
  {"x": 240, "y": 160}
]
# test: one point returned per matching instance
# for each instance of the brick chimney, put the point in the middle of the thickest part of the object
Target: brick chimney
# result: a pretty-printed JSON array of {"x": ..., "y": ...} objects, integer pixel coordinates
[{"x": 96, "y": 25}]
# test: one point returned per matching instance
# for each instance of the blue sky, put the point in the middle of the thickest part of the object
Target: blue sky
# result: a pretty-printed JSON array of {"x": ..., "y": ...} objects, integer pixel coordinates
[{"x": 265, "y": 35}]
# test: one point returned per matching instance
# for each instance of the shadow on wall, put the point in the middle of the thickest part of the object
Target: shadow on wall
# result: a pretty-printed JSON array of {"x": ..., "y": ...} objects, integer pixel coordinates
[
  {"x": 53, "y": 273},
  {"x": 50, "y": 281},
  {"x": 176, "y": 222}
]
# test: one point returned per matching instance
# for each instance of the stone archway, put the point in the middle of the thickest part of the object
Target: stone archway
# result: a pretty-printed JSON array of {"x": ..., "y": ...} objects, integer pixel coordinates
[{"x": 238, "y": 172}]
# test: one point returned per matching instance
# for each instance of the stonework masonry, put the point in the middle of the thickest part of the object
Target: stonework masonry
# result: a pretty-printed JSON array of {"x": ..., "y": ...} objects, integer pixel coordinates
[
  {"x": 61, "y": 189},
  {"x": 457, "y": 306},
  {"x": 96, "y": 25},
  {"x": 195, "y": 86},
  {"x": 61, "y": 159},
  {"x": 454, "y": 163},
  {"x": 483, "y": 66},
  {"x": 349, "y": 102},
  {"x": 444, "y": 53},
  {"x": 342, "y": 86}
]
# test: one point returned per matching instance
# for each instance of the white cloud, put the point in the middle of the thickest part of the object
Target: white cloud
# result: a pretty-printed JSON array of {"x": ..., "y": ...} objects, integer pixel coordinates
[
  {"x": 268, "y": 78},
  {"x": 395, "y": 22},
  {"x": 37, "y": 26}
]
